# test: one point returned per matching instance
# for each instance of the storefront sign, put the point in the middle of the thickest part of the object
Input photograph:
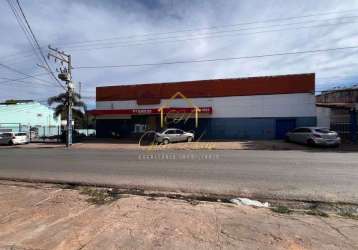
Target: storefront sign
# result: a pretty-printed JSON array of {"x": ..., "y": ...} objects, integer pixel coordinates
[{"x": 98, "y": 112}]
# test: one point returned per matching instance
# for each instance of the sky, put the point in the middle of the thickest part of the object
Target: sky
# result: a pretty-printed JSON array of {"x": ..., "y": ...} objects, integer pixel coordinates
[{"x": 127, "y": 32}]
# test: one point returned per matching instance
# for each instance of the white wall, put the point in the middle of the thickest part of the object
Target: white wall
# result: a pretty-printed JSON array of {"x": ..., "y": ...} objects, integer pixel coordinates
[
  {"x": 285, "y": 105},
  {"x": 323, "y": 117}
]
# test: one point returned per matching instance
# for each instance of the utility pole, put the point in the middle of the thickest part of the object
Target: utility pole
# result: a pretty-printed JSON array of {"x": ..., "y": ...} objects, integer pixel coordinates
[
  {"x": 80, "y": 88},
  {"x": 66, "y": 76}
]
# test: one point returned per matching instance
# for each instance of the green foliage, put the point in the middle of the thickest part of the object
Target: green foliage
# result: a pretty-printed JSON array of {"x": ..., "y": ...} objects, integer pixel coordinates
[
  {"x": 62, "y": 100},
  {"x": 15, "y": 101},
  {"x": 348, "y": 214},
  {"x": 11, "y": 101},
  {"x": 281, "y": 210},
  {"x": 99, "y": 196},
  {"x": 316, "y": 212}
]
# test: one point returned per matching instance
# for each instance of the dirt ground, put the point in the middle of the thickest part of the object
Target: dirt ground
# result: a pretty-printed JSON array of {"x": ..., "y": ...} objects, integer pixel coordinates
[{"x": 49, "y": 217}]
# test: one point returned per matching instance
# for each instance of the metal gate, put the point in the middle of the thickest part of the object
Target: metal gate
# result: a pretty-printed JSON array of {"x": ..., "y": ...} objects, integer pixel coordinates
[{"x": 34, "y": 133}]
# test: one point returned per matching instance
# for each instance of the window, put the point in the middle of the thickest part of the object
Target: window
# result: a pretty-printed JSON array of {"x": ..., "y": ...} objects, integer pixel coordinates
[
  {"x": 297, "y": 130},
  {"x": 139, "y": 128},
  {"x": 171, "y": 132},
  {"x": 7, "y": 135},
  {"x": 179, "y": 131},
  {"x": 322, "y": 130},
  {"x": 302, "y": 130}
]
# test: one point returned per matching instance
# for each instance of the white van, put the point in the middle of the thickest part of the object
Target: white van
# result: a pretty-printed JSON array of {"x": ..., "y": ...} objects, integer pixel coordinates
[{"x": 11, "y": 138}]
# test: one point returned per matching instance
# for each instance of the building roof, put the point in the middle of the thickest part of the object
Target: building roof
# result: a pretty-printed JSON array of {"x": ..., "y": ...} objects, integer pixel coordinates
[
  {"x": 152, "y": 93},
  {"x": 337, "y": 105},
  {"x": 330, "y": 91}
]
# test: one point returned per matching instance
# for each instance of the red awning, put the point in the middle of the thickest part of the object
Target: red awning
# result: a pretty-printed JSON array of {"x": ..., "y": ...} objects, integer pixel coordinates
[{"x": 99, "y": 112}]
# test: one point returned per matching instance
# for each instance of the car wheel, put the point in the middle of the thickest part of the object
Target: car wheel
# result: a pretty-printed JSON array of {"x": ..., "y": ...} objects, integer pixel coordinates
[
  {"x": 190, "y": 139},
  {"x": 11, "y": 143},
  {"x": 165, "y": 141},
  {"x": 287, "y": 138},
  {"x": 311, "y": 142}
]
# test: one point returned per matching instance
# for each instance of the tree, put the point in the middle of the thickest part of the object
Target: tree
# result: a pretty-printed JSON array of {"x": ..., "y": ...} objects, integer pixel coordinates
[
  {"x": 16, "y": 101},
  {"x": 11, "y": 101},
  {"x": 78, "y": 106}
]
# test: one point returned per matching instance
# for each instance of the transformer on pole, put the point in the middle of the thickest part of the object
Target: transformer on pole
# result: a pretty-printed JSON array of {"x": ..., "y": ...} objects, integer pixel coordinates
[{"x": 65, "y": 76}]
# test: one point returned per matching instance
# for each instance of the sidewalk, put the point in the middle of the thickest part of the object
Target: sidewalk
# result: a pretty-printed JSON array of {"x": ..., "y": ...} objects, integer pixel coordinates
[
  {"x": 197, "y": 145},
  {"x": 112, "y": 144},
  {"x": 48, "y": 217}
]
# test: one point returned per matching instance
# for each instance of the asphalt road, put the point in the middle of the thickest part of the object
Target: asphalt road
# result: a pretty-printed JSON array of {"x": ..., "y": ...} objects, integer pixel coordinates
[{"x": 325, "y": 176}]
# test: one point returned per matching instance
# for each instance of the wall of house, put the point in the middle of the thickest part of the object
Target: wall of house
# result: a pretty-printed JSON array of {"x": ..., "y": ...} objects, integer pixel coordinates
[
  {"x": 339, "y": 96},
  {"x": 324, "y": 117},
  {"x": 23, "y": 115}
]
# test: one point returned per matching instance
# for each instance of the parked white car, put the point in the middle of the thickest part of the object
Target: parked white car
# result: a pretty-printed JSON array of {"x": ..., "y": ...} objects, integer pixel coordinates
[
  {"x": 314, "y": 136},
  {"x": 173, "y": 135},
  {"x": 11, "y": 138}
]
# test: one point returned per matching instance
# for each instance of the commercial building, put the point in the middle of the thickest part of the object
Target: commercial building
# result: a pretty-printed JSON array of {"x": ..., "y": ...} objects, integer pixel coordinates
[
  {"x": 24, "y": 115},
  {"x": 241, "y": 108}
]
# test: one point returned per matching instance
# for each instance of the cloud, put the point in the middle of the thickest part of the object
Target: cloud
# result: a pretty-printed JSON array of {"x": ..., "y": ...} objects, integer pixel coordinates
[{"x": 63, "y": 23}]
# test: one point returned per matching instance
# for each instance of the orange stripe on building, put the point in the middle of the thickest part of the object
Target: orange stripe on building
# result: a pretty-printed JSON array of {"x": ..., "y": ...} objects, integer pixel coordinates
[{"x": 153, "y": 93}]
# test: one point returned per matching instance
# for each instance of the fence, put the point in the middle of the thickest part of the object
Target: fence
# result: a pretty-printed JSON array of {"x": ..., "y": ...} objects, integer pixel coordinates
[
  {"x": 35, "y": 133},
  {"x": 341, "y": 122},
  {"x": 44, "y": 133}
]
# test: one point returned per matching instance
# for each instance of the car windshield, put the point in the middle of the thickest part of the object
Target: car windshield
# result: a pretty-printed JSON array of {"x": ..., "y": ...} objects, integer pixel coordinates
[
  {"x": 322, "y": 130},
  {"x": 6, "y": 135}
]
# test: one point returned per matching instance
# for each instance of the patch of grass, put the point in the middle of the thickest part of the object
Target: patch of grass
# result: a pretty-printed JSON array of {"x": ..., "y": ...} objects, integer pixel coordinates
[
  {"x": 316, "y": 212},
  {"x": 193, "y": 202},
  {"x": 99, "y": 196},
  {"x": 281, "y": 210},
  {"x": 68, "y": 186},
  {"x": 348, "y": 214}
]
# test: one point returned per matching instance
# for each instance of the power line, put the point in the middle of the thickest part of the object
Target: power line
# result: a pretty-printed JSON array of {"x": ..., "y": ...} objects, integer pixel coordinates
[
  {"x": 12, "y": 81},
  {"x": 23, "y": 28},
  {"x": 222, "y": 33},
  {"x": 207, "y": 28},
  {"x": 24, "y": 53},
  {"x": 23, "y": 78},
  {"x": 22, "y": 73},
  {"x": 217, "y": 59},
  {"x": 38, "y": 45},
  {"x": 215, "y": 27},
  {"x": 213, "y": 36},
  {"x": 17, "y": 60}
]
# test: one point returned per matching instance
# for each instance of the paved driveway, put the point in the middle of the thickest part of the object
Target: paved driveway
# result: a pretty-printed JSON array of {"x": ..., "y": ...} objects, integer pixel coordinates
[{"x": 328, "y": 176}]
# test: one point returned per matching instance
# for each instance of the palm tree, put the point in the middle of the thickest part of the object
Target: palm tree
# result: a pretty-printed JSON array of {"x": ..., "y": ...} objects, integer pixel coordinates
[{"x": 78, "y": 106}]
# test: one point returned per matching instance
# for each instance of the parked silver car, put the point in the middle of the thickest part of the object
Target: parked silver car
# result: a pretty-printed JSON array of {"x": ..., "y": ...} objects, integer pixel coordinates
[
  {"x": 173, "y": 135},
  {"x": 314, "y": 136}
]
